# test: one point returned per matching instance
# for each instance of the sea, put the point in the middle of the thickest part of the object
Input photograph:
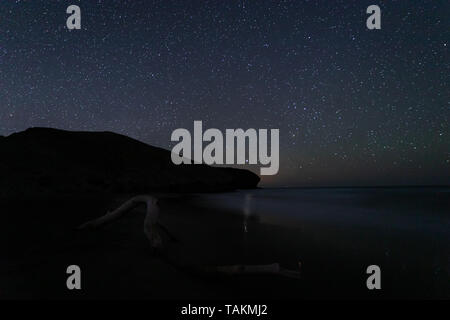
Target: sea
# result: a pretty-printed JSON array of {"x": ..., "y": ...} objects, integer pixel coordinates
[{"x": 343, "y": 231}]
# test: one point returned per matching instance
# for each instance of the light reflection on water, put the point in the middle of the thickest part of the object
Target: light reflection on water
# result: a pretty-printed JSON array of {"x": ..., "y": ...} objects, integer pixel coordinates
[
  {"x": 398, "y": 208},
  {"x": 409, "y": 227}
]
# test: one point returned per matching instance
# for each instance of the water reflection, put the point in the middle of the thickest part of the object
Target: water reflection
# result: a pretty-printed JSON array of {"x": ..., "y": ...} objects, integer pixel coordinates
[{"x": 247, "y": 210}]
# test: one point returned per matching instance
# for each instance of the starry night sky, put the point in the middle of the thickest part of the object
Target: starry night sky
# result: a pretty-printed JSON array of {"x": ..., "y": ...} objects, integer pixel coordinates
[{"x": 354, "y": 106}]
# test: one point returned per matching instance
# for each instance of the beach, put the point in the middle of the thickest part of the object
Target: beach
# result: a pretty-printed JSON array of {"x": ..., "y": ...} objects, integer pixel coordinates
[{"x": 333, "y": 234}]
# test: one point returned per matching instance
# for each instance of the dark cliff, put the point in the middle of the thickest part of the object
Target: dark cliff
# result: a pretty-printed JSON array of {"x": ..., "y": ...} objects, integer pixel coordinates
[{"x": 45, "y": 160}]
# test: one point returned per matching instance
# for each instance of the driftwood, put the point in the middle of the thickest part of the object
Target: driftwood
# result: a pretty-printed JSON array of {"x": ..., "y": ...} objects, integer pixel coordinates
[
  {"x": 152, "y": 228},
  {"x": 154, "y": 231},
  {"x": 273, "y": 269}
]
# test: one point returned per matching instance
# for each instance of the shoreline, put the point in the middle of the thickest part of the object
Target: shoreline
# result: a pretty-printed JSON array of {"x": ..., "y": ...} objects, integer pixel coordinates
[{"x": 116, "y": 261}]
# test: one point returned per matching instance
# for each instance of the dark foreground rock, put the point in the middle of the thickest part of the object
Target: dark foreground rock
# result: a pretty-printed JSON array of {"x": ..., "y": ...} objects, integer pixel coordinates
[{"x": 45, "y": 160}]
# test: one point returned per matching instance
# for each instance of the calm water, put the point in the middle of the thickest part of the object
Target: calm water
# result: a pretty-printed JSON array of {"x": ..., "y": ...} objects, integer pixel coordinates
[
  {"x": 422, "y": 210},
  {"x": 404, "y": 230}
]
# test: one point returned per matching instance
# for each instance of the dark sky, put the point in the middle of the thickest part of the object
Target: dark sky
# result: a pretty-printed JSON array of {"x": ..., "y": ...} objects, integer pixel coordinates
[{"x": 354, "y": 106}]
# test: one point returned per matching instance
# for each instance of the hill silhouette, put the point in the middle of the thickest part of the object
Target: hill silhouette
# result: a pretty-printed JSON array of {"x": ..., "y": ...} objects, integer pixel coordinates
[{"x": 46, "y": 160}]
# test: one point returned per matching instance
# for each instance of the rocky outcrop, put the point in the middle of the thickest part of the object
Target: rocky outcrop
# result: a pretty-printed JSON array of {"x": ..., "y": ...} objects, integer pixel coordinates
[{"x": 45, "y": 160}]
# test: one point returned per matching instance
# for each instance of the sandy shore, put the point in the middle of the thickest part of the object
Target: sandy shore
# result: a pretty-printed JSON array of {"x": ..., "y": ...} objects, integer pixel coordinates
[{"x": 37, "y": 245}]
